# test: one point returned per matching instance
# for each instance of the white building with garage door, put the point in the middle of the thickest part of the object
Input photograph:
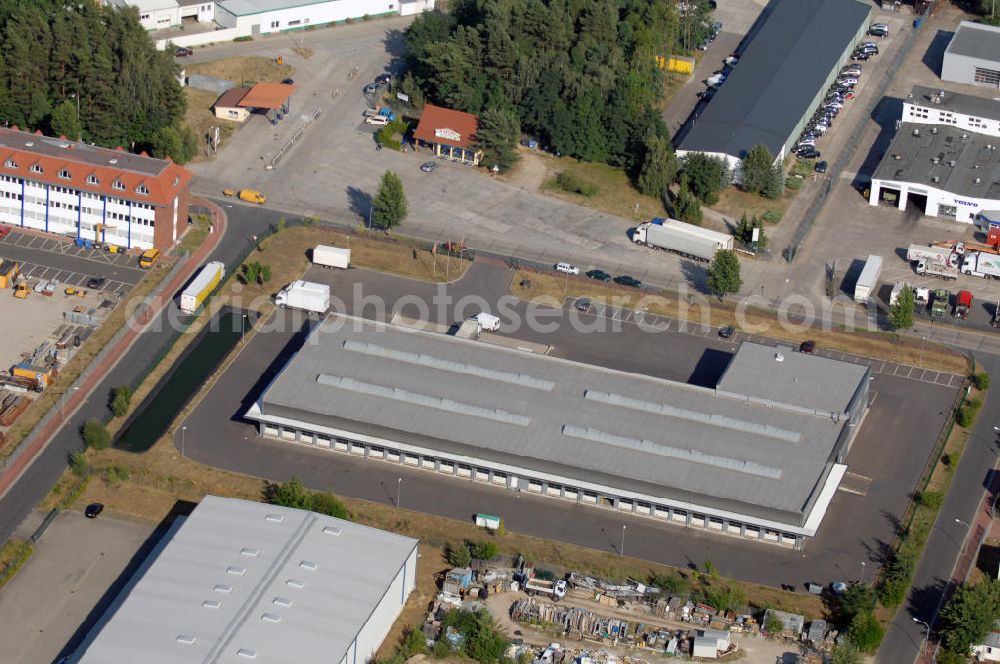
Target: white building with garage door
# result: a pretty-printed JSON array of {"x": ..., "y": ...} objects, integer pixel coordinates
[
  {"x": 760, "y": 456},
  {"x": 973, "y": 56},
  {"x": 240, "y": 581},
  {"x": 260, "y": 17},
  {"x": 944, "y": 158}
]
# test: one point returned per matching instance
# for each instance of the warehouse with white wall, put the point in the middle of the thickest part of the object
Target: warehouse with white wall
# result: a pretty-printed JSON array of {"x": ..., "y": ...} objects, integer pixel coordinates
[
  {"x": 973, "y": 55},
  {"x": 261, "y": 17}
]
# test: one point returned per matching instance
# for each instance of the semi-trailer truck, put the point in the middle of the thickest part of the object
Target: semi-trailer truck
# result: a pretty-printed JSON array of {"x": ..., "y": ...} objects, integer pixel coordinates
[
  {"x": 208, "y": 278},
  {"x": 917, "y": 252},
  {"x": 979, "y": 264},
  {"x": 327, "y": 256},
  {"x": 963, "y": 304},
  {"x": 928, "y": 268},
  {"x": 304, "y": 295},
  {"x": 682, "y": 238},
  {"x": 868, "y": 281}
]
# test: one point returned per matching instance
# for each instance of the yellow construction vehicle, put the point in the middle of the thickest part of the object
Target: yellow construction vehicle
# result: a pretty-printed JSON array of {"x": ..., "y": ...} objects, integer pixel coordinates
[
  {"x": 22, "y": 290},
  {"x": 251, "y": 196},
  {"x": 9, "y": 271}
]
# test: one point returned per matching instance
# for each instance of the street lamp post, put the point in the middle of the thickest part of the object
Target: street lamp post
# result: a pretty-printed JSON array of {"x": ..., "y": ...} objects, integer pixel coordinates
[
  {"x": 965, "y": 540},
  {"x": 863, "y": 571},
  {"x": 927, "y": 633},
  {"x": 621, "y": 551},
  {"x": 243, "y": 327},
  {"x": 399, "y": 486},
  {"x": 183, "y": 429}
]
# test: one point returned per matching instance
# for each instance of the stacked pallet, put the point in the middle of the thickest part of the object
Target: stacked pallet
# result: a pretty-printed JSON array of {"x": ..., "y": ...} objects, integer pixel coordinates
[
  {"x": 11, "y": 407},
  {"x": 573, "y": 620}
]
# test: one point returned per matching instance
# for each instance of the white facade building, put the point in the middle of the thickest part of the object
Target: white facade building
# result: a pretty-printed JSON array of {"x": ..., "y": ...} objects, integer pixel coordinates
[
  {"x": 261, "y": 17},
  {"x": 153, "y": 14},
  {"x": 973, "y": 56},
  {"x": 240, "y": 581},
  {"x": 944, "y": 157}
]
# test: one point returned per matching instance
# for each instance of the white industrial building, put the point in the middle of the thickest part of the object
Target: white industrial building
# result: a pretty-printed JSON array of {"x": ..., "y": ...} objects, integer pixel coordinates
[
  {"x": 944, "y": 157},
  {"x": 260, "y": 17},
  {"x": 165, "y": 14},
  {"x": 758, "y": 457},
  {"x": 973, "y": 55},
  {"x": 239, "y": 581}
]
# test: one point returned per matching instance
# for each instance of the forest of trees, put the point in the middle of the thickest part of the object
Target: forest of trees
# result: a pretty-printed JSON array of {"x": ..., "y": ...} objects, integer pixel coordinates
[
  {"x": 58, "y": 57},
  {"x": 580, "y": 75}
]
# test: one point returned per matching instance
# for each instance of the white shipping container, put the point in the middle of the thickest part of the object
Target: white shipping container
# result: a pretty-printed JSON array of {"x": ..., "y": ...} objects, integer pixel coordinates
[
  {"x": 208, "y": 278},
  {"x": 327, "y": 256},
  {"x": 305, "y": 295}
]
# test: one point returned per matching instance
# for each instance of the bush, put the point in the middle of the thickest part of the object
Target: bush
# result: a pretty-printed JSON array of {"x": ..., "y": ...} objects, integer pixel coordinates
[
  {"x": 115, "y": 474},
  {"x": 121, "y": 400},
  {"x": 980, "y": 380},
  {"x": 793, "y": 183},
  {"x": 574, "y": 185},
  {"x": 244, "y": 38},
  {"x": 865, "y": 632},
  {"x": 387, "y": 135},
  {"x": 947, "y": 460},
  {"x": 458, "y": 555},
  {"x": 78, "y": 464},
  {"x": 415, "y": 643},
  {"x": 964, "y": 417},
  {"x": 96, "y": 435},
  {"x": 930, "y": 499},
  {"x": 771, "y": 216},
  {"x": 326, "y": 503},
  {"x": 671, "y": 584},
  {"x": 485, "y": 550}
]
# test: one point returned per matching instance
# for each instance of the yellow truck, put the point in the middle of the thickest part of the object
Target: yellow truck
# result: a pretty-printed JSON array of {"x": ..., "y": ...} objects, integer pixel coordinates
[
  {"x": 148, "y": 258},
  {"x": 251, "y": 196},
  {"x": 22, "y": 289},
  {"x": 9, "y": 270}
]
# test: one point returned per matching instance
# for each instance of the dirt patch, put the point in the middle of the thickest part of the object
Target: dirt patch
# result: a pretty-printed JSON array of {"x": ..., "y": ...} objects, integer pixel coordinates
[
  {"x": 734, "y": 202},
  {"x": 201, "y": 118},
  {"x": 529, "y": 172},
  {"x": 303, "y": 52},
  {"x": 550, "y": 289},
  {"x": 243, "y": 70},
  {"x": 615, "y": 193}
]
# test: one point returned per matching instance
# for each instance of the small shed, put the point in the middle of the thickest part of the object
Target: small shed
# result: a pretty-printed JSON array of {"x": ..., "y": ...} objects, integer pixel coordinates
[
  {"x": 227, "y": 107},
  {"x": 817, "y": 632},
  {"x": 792, "y": 624},
  {"x": 705, "y": 647},
  {"x": 457, "y": 580}
]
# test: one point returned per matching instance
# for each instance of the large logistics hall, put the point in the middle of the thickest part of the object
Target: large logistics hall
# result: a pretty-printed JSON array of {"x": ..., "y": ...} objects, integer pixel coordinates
[
  {"x": 760, "y": 456},
  {"x": 796, "y": 50},
  {"x": 239, "y": 581}
]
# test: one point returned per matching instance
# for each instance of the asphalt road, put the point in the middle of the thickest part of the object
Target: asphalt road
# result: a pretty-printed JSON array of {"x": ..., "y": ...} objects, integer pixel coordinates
[
  {"x": 46, "y": 469},
  {"x": 903, "y": 639}
]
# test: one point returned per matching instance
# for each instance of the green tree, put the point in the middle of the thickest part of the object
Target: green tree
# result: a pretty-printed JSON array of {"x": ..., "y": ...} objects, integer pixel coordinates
[
  {"x": 970, "y": 615},
  {"x": 670, "y": 584},
  {"x": 96, "y": 435},
  {"x": 291, "y": 494},
  {"x": 757, "y": 169},
  {"x": 497, "y": 136},
  {"x": 858, "y": 598},
  {"x": 685, "y": 206},
  {"x": 484, "y": 642},
  {"x": 78, "y": 463},
  {"x": 745, "y": 228},
  {"x": 706, "y": 176},
  {"x": 265, "y": 274},
  {"x": 774, "y": 625},
  {"x": 65, "y": 121},
  {"x": 389, "y": 207},
  {"x": 980, "y": 380},
  {"x": 724, "y": 274},
  {"x": 659, "y": 165},
  {"x": 251, "y": 272},
  {"x": 485, "y": 550},
  {"x": 458, "y": 555},
  {"x": 774, "y": 182},
  {"x": 896, "y": 577},
  {"x": 845, "y": 653},
  {"x": 121, "y": 400},
  {"x": 901, "y": 313},
  {"x": 865, "y": 632},
  {"x": 326, "y": 503},
  {"x": 414, "y": 643}
]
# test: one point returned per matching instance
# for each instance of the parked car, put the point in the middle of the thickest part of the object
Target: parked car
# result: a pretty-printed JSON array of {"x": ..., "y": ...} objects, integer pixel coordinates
[
  {"x": 727, "y": 331},
  {"x": 808, "y": 153},
  {"x": 808, "y": 347},
  {"x": 567, "y": 268},
  {"x": 703, "y": 46},
  {"x": 96, "y": 283},
  {"x": 428, "y": 166},
  {"x": 599, "y": 275},
  {"x": 371, "y": 90},
  {"x": 183, "y": 52},
  {"x": 626, "y": 280},
  {"x": 383, "y": 79},
  {"x": 847, "y": 80},
  {"x": 582, "y": 304},
  {"x": 851, "y": 71},
  {"x": 860, "y": 56},
  {"x": 821, "y": 167},
  {"x": 849, "y": 95},
  {"x": 93, "y": 510},
  {"x": 289, "y": 81},
  {"x": 716, "y": 27}
]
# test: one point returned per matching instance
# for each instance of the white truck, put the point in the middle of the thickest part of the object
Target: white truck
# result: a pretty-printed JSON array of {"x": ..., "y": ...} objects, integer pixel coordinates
[
  {"x": 926, "y": 268},
  {"x": 304, "y": 295},
  {"x": 201, "y": 286},
  {"x": 979, "y": 264},
  {"x": 685, "y": 239},
  {"x": 917, "y": 252},
  {"x": 554, "y": 589},
  {"x": 327, "y": 256},
  {"x": 867, "y": 284}
]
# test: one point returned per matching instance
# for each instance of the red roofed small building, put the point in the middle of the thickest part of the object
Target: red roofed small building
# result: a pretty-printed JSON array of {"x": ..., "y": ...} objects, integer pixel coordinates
[
  {"x": 61, "y": 186},
  {"x": 450, "y": 134}
]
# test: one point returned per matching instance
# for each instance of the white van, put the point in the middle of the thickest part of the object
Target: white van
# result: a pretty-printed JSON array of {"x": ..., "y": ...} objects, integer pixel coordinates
[
  {"x": 378, "y": 120},
  {"x": 487, "y": 322}
]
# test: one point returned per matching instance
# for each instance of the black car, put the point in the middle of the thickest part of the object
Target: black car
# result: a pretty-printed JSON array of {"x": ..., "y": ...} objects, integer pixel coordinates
[
  {"x": 821, "y": 167},
  {"x": 383, "y": 79},
  {"x": 808, "y": 153},
  {"x": 183, "y": 53},
  {"x": 626, "y": 280},
  {"x": 861, "y": 56},
  {"x": 808, "y": 347},
  {"x": 582, "y": 304},
  {"x": 93, "y": 510},
  {"x": 600, "y": 275},
  {"x": 289, "y": 81},
  {"x": 727, "y": 331},
  {"x": 96, "y": 283}
]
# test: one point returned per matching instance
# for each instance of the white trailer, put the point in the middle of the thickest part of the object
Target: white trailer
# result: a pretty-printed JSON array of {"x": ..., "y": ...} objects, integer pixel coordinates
[
  {"x": 201, "y": 286},
  {"x": 979, "y": 264},
  {"x": 868, "y": 281},
  {"x": 327, "y": 256},
  {"x": 304, "y": 295},
  {"x": 926, "y": 268},
  {"x": 917, "y": 252},
  {"x": 685, "y": 239}
]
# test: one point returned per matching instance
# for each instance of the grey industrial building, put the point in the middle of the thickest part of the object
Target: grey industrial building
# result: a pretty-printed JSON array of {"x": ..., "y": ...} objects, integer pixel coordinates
[
  {"x": 973, "y": 56},
  {"x": 760, "y": 456},
  {"x": 796, "y": 51},
  {"x": 240, "y": 581}
]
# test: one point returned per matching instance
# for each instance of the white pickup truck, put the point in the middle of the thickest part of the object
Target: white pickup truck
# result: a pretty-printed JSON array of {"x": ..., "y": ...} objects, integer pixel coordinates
[{"x": 555, "y": 589}]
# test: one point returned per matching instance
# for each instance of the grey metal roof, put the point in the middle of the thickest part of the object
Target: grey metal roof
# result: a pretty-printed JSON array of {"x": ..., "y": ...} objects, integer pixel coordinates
[
  {"x": 79, "y": 152},
  {"x": 289, "y": 585},
  {"x": 248, "y": 7},
  {"x": 551, "y": 415},
  {"x": 975, "y": 40},
  {"x": 972, "y": 157},
  {"x": 956, "y": 102},
  {"x": 779, "y": 75},
  {"x": 799, "y": 379}
]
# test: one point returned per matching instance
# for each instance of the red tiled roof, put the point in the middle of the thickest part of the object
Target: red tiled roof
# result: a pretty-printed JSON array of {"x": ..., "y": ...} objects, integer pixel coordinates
[
  {"x": 268, "y": 95},
  {"x": 231, "y": 98},
  {"x": 162, "y": 177},
  {"x": 443, "y": 125}
]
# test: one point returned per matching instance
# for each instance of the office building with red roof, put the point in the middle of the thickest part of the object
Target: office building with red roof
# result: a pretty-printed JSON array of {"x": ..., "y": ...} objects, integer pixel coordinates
[
  {"x": 449, "y": 134},
  {"x": 72, "y": 188}
]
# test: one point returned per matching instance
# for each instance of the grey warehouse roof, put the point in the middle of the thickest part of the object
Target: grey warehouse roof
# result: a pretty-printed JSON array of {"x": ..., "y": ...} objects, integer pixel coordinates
[
  {"x": 974, "y": 156},
  {"x": 248, "y": 7},
  {"x": 975, "y": 40},
  {"x": 550, "y": 415},
  {"x": 81, "y": 152},
  {"x": 286, "y": 584},
  {"x": 778, "y": 76},
  {"x": 955, "y": 102}
]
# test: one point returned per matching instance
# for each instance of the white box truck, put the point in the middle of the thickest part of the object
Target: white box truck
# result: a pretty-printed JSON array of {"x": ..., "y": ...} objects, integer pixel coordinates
[
  {"x": 327, "y": 256},
  {"x": 917, "y": 252},
  {"x": 867, "y": 284},
  {"x": 926, "y": 268},
  {"x": 978, "y": 264},
  {"x": 685, "y": 239},
  {"x": 304, "y": 295},
  {"x": 208, "y": 278}
]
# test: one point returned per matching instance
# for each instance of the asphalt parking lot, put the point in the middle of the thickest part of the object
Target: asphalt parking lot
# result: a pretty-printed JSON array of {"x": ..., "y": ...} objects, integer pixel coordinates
[
  {"x": 885, "y": 462},
  {"x": 75, "y": 572}
]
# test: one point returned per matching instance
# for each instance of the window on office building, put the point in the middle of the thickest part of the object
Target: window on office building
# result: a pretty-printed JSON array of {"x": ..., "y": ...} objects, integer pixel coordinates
[
  {"x": 36, "y": 168},
  {"x": 274, "y": 24},
  {"x": 142, "y": 189},
  {"x": 10, "y": 163},
  {"x": 92, "y": 179},
  {"x": 987, "y": 76},
  {"x": 64, "y": 174},
  {"x": 119, "y": 185}
]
